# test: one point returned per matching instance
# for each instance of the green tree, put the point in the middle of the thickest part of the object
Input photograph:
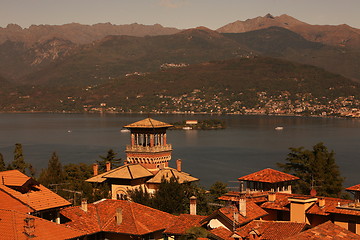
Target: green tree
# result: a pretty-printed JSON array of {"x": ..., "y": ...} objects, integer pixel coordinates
[
  {"x": 195, "y": 233},
  {"x": 19, "y": 161},
  {"x": 110, "y": 157},
  {"x": 316, "y": 169},
  {"x": 2, "y": 163},
  {"x": 217, "y": 190},
  {"x": 170, "y": 197},
  {"x": 74, "y": 178},
  {"x": 173, "y": 197},
  {"x": 54, "y": 173}
]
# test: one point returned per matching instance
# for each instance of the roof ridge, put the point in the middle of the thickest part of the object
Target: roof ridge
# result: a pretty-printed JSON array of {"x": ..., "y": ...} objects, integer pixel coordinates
[
  {"x": 98, "y": 217},
  {"x": 133, "y": 217},
  {"x": 132, "y": 177}
]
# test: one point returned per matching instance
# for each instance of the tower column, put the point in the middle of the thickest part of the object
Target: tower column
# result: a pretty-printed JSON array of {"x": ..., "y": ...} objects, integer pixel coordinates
[
  {"x": 164, "y": 138},
  {"x": 151, "y": 140},
  {"x": 132, "y": 139}
]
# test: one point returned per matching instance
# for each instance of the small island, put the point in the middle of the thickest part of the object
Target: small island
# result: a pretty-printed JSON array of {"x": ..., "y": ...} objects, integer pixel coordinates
[{"x": 208, "y": 124}]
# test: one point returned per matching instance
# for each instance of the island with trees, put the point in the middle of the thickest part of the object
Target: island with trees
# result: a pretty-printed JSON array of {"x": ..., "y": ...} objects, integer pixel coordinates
[{"x": 207, "y": 124}]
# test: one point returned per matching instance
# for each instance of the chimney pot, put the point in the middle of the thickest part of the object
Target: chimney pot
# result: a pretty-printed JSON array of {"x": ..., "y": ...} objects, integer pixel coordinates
[
  {"x": 322, "y": 202},
  {"x": 178, "y": 165},
  {"x": 118, "y": 216},
  {"x": 271, "y": 196},
  {"x": 84, "y": 205},
  {"x": 108, "y": 166},
  {"x": 96, "y": 169},
  {"x": 242, "y": 206},
  {"x": 193, "y": 205}
]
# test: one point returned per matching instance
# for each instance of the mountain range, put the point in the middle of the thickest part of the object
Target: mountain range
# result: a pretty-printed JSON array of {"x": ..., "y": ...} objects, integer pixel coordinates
[{"x": 77, "y": 57}]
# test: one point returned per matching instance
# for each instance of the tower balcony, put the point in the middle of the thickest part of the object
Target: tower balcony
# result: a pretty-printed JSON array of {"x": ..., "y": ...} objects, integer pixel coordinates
[{"x": 148, "y": 149}]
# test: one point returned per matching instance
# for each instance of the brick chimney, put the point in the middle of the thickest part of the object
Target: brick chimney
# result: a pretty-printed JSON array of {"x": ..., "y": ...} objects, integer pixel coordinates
[
  {"x": 29, "y": 227},
  {"x": 96, "y": 169},
  {"x": 271, "y": 196},
  {"x": 84, "y": 205},
  {"x": 108, "y": 166},
  {"x": 118, "y": 216},
  {"x": 322, "y": 202},
  {"x": 193, "y": 205},
  {"x": 178, "y": 165},
  {"x": 242, "y": 206}
]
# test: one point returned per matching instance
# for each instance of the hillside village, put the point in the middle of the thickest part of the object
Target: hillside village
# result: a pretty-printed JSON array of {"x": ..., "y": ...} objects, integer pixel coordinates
[
  {"x": 221, "y": 103},
  {"x": 264, "y": 206}
]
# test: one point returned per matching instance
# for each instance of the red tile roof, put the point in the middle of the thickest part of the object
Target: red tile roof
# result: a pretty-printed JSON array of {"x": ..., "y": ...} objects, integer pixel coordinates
[
  {"x": 11, "y": 203},
  {"x": 332, "y": 205},
  {"x": 326, "y": 230},
  {"x": 354, "y": 188},
  {"x": 268, "y": 175},
  {"x": 272, "y": 230},
  {"x": 12, "y": 227},
  {"x": 253, "y": 211},
  {"x": 222, "y": 233},
  {"x": 183, "y": 223},
  {"x": 37, "y": 197},
  {"x": 137, "y": 219}
]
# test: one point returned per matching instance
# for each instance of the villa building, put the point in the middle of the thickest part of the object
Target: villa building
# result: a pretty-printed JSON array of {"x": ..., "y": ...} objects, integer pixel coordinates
[{"x": 147, "y": 161}]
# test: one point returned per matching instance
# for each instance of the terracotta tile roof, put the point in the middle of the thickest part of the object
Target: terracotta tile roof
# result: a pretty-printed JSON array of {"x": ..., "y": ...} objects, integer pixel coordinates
[
  {"x": 11, "y": 203},
  {"x": 332, "y": 205},
  {"x": 183, "y": 223},
  {"x": 168, "y": 173},
  {"x": 148, "y": 123},
  {"x": 354, "y": 188},
  {"x": 222, "y": 233},
  {"x": 257, "y": 197},
  {"x": 137, "y": 219},
  {"x": 315, "y": 209},
  {"x": 272, "y": 230},
  {"x": 129, "y": 171},
  {"x": 12, "y": 227},
  {"x": 37, "y": 198},
  {"x": 268, "y": 175},
  {"x": 253, "y": 211},
  {"x": 326, "y": 230},
  {"x": 13, "y": 178}
]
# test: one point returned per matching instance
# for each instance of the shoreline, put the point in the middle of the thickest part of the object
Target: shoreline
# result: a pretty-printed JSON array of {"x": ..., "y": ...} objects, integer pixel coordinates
[{"x": 176, "y": 113}]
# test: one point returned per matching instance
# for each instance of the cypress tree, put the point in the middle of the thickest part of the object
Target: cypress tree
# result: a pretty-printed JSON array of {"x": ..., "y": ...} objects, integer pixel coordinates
[
  {"x": 53, "y": 173},
  {"x": 19, "y": 161}
]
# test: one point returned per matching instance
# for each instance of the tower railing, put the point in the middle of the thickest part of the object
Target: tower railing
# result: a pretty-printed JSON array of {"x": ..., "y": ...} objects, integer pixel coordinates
[{"x": 139, "y": 148}]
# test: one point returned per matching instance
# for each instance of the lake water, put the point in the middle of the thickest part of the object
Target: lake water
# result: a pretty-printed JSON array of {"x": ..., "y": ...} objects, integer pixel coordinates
[{"x": 248, "y": 144}]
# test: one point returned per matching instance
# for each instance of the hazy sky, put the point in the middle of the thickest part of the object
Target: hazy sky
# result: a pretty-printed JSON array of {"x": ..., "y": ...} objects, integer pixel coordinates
[{"x": 174, "y": 13}]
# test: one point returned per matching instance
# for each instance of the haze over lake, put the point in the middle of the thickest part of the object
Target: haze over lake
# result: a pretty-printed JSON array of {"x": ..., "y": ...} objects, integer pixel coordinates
[{"x": 248, "y": 144}]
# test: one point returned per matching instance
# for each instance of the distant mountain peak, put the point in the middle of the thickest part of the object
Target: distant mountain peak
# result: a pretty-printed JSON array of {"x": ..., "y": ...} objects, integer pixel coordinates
[{"x": 269, "y": 16}]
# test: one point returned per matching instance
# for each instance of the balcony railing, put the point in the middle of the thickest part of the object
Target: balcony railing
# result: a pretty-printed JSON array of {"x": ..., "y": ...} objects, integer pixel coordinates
[{"x": 139, "y": 148}]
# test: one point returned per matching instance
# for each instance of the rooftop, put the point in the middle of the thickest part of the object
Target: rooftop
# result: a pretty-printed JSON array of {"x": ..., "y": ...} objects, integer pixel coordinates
[
  {"x": 272, "y": 229},
  {"x": 327, "y": 230},
  {"x": 148, "y": 123},
  {"x": 28, "y": 192},
  {"x": 268, "y": 176},
  {"x": 137, "y": 219},
  {"x": 183, "y": 223},
  {"x": 168, "y": 173},
  {"x": 355, "y": 188},
  {"x": 12, "y": 227},
  {"x": 253, "y": 211}
]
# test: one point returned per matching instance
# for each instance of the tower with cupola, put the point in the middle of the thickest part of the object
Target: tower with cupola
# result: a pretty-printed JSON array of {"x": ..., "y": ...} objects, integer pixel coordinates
[{"x": 148, "y": 144}]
